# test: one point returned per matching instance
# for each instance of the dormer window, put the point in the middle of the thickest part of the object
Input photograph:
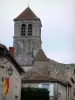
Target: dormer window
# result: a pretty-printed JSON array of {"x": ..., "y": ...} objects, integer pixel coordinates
[
  {"x": 23, "y": 29},
  {"x": 30, "y": 29}
]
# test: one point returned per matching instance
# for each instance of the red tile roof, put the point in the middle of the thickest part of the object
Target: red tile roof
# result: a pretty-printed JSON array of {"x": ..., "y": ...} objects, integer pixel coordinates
[
  {"x": 26, "y": 14},
  {"x": 41, "y": 56}
]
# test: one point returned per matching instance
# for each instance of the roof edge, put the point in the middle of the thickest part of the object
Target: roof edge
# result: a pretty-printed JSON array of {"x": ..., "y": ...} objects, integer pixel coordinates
[
  {"x": 24, "y": 19},
  {"x": 5, "y": 53},
  {"x": 46, "y": 58}
]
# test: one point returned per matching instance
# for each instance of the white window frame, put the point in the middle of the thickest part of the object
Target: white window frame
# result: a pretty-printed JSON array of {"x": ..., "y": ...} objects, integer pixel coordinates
[{"x": 50, "y": 88}]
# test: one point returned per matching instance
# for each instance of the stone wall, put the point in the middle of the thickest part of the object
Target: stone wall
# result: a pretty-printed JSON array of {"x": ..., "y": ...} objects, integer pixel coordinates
[
  {"x": 14, "y": 80},
  {"x": 58, "y": 71}
]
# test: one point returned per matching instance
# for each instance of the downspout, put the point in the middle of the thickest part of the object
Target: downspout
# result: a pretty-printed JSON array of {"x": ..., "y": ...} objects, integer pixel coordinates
[
  {"x": 66, "y": 92},
  {"x": 57, "y": 91}
]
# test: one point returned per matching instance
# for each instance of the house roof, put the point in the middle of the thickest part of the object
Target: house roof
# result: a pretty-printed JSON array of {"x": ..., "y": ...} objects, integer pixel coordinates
[
  {"x": 44, "y": 73},
  {"x": 43, "y": 79},
  {"x": 34, "y": 76},
  {"x": 2, "y": 46},
  {"x": 27, "y": 14},
  {"x": 41, "y": 56},
  {"x": 4, "y": 52}
]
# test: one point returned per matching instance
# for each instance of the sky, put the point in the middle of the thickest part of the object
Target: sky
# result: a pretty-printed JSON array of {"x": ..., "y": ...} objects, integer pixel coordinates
[{"x": 58, "y": 25}]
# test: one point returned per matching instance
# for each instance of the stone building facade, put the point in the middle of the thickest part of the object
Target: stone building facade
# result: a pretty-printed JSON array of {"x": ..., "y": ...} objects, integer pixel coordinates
[
  {"x": 6, "y": 61},
  {"x": 46, "y": 72},
  {"x": 38, "y": 68}
]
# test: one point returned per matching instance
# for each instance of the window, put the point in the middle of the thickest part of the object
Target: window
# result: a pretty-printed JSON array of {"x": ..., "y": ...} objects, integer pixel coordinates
[
  {"x": 23, "y": 29},
  {"x": 50, "y": 88},
  {"x": 30, "y": 29}
]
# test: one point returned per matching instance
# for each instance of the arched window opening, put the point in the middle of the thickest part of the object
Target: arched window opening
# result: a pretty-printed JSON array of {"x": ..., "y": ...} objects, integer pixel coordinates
[
  {"x": 30, "y": 29},
  {"x": 23, "y": 29}
]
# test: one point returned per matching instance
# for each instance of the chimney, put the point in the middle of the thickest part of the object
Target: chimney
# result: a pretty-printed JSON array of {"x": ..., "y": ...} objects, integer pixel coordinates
[{"x": 12, "y": 51}]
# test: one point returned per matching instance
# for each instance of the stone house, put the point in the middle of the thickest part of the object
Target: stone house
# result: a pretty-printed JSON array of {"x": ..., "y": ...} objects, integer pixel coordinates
[
  {"x": 6, "y": 61},
  {"x": 45, "y": 75}
]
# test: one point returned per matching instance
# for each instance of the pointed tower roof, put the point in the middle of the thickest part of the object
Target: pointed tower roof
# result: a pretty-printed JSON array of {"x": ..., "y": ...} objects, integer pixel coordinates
[
  {"x": 27, "y": 14},
  {"x": 41, "y": 56}
]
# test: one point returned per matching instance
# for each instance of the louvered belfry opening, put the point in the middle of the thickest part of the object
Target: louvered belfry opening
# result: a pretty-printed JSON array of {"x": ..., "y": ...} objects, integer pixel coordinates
[
  {"x": 23, "y": 29},
  {"x": 30, "y": 29}
]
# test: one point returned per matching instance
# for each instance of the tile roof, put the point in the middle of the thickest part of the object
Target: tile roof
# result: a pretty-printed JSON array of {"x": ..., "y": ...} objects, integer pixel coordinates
[
  {"x": 43, "y": 78},
  {"x": 41, "y": 56},
  {"x": 32, "y": 76},
  {"x": 26, "y": 14}
]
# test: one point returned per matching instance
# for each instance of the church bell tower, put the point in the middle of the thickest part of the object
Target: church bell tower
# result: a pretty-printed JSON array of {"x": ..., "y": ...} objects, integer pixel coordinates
[{"x": 27, "y": 37}]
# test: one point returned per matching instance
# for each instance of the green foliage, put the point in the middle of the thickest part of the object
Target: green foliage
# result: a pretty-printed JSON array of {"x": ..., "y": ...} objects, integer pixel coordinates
[{"x": 34, "y": 94}]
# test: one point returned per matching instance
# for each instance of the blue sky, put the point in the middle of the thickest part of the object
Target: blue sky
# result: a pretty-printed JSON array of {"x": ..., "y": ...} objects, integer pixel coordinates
[{"x": 58, "y": 21}]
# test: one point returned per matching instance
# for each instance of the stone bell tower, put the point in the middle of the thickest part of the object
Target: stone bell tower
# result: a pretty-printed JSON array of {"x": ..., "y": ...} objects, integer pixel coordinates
[{"x": 27, "y": 36}]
